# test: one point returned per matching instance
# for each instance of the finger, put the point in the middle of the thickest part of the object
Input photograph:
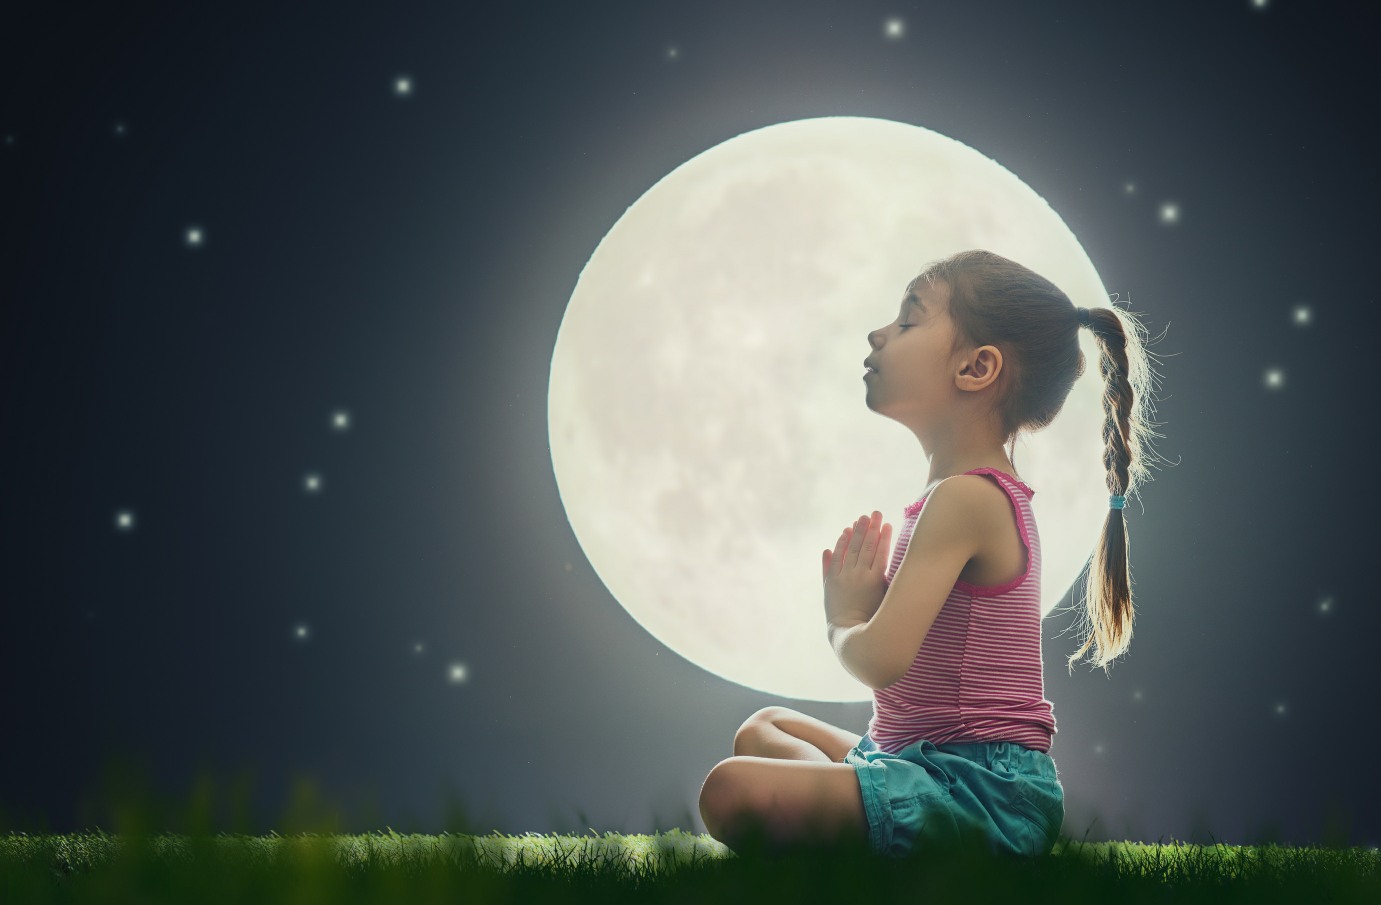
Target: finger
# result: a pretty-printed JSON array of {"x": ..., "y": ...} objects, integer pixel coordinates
[
  {"x": 870, "y": 539},
  {"x": 860, "y": 528},
  {"x": 884, "y": 546},
  {"x": 839, "y": 548}
]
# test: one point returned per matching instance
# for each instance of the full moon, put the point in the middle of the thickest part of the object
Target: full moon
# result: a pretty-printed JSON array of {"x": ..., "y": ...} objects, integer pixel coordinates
[{"x": 706, "y": 411}]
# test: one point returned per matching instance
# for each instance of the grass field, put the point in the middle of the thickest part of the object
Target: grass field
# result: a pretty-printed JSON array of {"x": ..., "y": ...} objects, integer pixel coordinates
[
  {"x": 168, "y": 853},
  {"x": 675, "y": 866}
]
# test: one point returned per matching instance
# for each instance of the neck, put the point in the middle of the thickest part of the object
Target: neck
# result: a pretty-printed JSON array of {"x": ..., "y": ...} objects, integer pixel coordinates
[
  {"x": 941, "y": 470},
  {"x": 954, "y": 448}
]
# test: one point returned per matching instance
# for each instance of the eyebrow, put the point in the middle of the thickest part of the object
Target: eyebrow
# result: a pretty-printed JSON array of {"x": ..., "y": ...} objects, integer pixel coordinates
[{"x": 912, "y": 298}]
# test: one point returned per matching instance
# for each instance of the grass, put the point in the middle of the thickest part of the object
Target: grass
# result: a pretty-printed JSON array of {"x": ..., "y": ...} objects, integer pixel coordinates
[
  {"x": 314, "y": 862},
  {"x": 674, "y": 866}
]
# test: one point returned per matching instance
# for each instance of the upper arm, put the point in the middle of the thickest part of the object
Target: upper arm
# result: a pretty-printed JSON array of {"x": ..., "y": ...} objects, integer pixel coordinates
[{"x": 947, "y": 535}]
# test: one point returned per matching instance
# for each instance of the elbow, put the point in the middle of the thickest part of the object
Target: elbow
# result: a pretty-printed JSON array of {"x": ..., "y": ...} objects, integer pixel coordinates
[
  {"x": 885, "y": 671},
  {"x": 888, "y": 673},
  {"x": 880, "y": 676},
  {"x": 878, "y": 684},
  {"x": 891, "y": 662},
  {"x": 882, "y": 672}
]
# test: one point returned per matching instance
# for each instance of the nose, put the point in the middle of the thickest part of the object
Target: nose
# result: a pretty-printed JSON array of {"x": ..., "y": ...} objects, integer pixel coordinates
[{"x": 873, "y": 338}]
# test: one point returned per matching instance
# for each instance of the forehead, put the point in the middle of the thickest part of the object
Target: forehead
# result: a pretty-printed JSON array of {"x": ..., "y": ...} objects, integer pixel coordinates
[{"x": 920, "y": 293}]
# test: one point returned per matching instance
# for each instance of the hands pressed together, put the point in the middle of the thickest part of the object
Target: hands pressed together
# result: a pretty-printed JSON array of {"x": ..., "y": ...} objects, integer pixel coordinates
[{"x": 855, "y": 571}]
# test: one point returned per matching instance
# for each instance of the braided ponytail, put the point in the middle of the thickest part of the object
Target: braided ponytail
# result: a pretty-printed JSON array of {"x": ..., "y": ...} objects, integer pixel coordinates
[{"x": 1127, "y": 382}]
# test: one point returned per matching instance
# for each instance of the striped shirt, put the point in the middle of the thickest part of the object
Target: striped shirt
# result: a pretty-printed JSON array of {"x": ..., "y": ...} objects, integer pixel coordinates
[{"x": 977, "y": 676}]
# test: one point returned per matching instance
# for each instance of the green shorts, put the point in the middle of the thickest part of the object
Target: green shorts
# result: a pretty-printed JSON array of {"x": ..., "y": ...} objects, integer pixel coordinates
[{"x": 926, "y": 796}]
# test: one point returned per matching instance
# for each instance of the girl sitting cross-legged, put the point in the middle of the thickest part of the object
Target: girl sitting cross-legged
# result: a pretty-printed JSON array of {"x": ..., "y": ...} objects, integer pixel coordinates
[{"x": 945, "y": 628}]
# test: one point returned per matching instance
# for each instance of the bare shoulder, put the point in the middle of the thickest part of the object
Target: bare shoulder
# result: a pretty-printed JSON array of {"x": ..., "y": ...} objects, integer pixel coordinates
[
  {"x": 962, "y": 505},
  {"x": 974, "y": 502}
]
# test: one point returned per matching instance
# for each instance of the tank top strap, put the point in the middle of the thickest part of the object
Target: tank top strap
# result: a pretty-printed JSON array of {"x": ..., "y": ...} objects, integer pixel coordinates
[{"x": 1003, "y": 478}]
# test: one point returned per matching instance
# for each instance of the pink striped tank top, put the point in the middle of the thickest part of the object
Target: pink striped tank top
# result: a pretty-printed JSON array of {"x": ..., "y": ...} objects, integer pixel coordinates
[{"x": 977, "y": 676}]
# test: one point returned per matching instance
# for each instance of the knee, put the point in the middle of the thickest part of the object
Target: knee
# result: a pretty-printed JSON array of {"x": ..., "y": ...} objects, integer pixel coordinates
[
  {"x": 764, "y": 717},
  {"x": 717, "y": 798},
  {"x": 733, "y": 812},
  {"x": 775, "y": 712}
]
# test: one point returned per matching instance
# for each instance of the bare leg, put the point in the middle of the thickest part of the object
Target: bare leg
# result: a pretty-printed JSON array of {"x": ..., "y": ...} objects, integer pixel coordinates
[{"x": 783, "y": 733}]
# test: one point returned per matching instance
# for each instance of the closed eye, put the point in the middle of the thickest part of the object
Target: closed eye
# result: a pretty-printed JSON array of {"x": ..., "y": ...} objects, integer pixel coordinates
[{"x": 905, "y": 326}]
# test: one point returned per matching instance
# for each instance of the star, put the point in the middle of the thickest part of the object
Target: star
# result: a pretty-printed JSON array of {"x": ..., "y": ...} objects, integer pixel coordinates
[
  {"x": 402, "y": 85},
  {"x": 894, "y": 28}
]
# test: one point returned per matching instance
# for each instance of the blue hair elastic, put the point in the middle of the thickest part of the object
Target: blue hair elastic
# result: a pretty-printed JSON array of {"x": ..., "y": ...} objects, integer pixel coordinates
[{"x": 1118, "y": 502}]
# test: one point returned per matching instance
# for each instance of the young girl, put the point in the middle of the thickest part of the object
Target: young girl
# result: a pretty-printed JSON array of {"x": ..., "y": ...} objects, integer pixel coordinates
[{"x": 948, "y": 636}]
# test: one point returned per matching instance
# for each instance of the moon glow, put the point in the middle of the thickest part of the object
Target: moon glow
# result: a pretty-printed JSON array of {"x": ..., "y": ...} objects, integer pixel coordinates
[{"x": 706, "y": 414}]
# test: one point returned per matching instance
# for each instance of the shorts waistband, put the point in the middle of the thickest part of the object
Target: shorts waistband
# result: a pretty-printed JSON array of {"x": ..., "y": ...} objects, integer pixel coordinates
[
  {"x": 987, "y": 752},
  {"x": 977, "y": 750}
]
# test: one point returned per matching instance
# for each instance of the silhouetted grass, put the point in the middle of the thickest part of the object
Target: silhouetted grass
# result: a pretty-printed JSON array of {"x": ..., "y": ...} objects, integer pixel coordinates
[
  {"x": 314, "y": 862},
  {"x": 673, "y": 866}
]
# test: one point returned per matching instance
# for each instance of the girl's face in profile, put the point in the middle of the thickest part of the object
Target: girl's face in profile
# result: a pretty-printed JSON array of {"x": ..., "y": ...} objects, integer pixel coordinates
[{"x": 912, "y": 357}]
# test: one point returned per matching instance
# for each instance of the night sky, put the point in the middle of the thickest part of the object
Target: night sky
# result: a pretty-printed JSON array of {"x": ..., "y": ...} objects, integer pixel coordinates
[{"x": 279, "y": 287}]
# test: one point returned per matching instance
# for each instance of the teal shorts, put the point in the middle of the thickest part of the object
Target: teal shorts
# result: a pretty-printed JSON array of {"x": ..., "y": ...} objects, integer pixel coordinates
[{"x": 1002, "y": 795}]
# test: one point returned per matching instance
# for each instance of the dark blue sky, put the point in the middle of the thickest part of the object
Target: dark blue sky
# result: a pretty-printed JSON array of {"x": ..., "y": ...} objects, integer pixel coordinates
[{"x": 406, "y": 258}]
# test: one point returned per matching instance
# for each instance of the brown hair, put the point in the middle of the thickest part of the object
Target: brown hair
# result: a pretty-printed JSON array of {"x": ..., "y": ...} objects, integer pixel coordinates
[{"x": 995, "y": 301}]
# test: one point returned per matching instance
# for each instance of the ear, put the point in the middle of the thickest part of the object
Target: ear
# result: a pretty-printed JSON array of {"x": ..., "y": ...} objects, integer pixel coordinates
[{"x": 982, "y": 369}]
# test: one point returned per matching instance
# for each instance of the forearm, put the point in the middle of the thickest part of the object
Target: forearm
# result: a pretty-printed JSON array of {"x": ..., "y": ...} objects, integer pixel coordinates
[{"x": 850, "y": 641}]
